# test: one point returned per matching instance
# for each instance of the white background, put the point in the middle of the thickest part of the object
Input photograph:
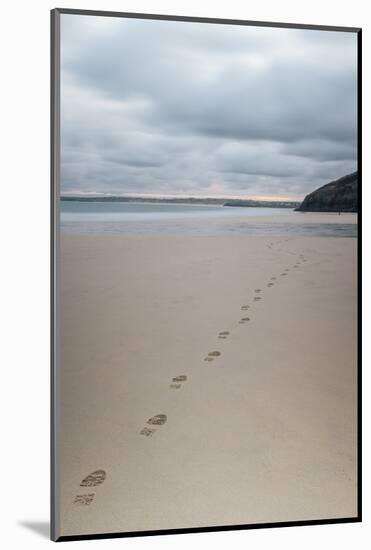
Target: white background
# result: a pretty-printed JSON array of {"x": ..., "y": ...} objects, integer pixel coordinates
[{"x": 24, "y": 218}]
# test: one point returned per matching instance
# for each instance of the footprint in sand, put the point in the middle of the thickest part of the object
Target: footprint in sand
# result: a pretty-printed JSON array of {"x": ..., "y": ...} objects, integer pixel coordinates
[
  {"x": 176, "y": 381},
  {"x": 245, "y": 308},
  {"x": 257, "y": 298},
  {"x": 258, "y": 290},
  {"x": 287, "y": 270},
  {"x": 147, "y": 431},
  {"x": 223, "y": 335},
  {"x": 157, "y": 420},
  {"x": 244, "y": 320},
  {"x": 270, "y": 284},
  {"x": 273, "y": 278},
  {"x": 211, "y": 356},
  {"x": 180, "y": 378},
  {"x": 283, "y": 274},
  {"x": 94, "y": 479},
  {"x": 84, "y": 500}
]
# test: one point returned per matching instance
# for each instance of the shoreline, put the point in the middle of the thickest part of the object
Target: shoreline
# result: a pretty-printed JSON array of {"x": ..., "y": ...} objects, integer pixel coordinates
[{"x": 312, "y": 225}]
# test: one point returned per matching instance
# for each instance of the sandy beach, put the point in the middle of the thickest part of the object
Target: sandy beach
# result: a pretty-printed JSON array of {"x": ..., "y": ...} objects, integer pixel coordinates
[{"x": 263, "y": 431}]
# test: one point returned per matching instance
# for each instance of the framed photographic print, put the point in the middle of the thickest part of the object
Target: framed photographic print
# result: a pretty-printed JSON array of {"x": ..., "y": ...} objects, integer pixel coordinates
[{"x": 206, "y": 249}]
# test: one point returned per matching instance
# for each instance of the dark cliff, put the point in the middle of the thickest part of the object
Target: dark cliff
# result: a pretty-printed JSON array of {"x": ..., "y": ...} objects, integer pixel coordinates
[{"x": 340, "y": 195}]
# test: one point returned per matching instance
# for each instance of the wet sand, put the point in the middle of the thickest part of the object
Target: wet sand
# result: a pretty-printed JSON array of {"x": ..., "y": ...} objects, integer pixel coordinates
[{"x": 262, "y": 431}]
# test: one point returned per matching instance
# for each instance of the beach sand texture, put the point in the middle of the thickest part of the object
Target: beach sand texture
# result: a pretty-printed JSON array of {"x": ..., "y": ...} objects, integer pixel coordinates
[{"x": 264, "y": 430}]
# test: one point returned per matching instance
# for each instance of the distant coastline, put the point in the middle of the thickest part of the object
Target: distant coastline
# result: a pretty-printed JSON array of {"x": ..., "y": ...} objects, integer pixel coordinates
[{"x": 186, "y": 200}]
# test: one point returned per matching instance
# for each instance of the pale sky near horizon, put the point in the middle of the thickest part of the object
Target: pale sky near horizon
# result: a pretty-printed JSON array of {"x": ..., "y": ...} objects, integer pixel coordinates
[{"x": 178, "y": 108}]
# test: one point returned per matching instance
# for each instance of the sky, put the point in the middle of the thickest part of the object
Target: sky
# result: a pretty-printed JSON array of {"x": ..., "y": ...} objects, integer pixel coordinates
[{"x": 176, "y": 108}]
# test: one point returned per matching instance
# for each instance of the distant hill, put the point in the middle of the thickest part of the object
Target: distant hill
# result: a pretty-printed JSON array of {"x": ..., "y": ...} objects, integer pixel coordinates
[
  {"x": 182, "y": 200},
  {"x": 135, "y": 199},
  {"x": 340, "y": 195}
]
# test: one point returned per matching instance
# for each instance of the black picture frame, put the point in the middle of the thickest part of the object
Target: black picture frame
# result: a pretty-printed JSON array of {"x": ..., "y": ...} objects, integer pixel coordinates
[{"x": 54, "y": 280}]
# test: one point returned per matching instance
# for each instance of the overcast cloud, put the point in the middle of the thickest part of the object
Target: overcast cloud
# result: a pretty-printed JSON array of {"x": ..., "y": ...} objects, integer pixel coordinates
[{"x": 190, "y": 108}]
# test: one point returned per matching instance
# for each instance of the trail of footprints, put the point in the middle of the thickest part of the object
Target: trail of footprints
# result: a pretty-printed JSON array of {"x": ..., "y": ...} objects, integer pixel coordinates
[
  {"x": 212, "y": 355},
  {"x": 97, "y": 477}
]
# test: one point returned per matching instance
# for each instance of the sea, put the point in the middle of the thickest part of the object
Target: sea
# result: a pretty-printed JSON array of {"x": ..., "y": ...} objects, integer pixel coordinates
[{"x": 82, "y": 217}]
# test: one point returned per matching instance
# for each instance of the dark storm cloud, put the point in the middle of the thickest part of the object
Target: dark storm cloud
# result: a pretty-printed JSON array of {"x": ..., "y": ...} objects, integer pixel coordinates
[{"x": 164, "y": 107}]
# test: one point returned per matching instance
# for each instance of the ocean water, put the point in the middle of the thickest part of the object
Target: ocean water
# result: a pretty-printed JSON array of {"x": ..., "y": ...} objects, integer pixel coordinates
[{"x": 141, "y": 218}]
